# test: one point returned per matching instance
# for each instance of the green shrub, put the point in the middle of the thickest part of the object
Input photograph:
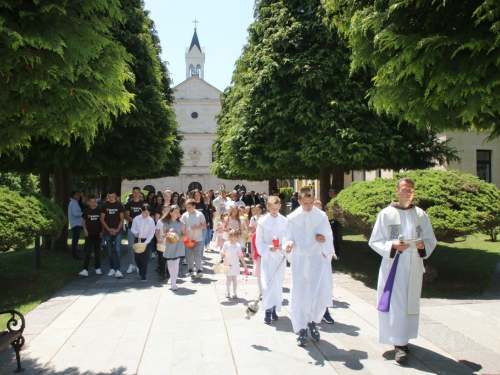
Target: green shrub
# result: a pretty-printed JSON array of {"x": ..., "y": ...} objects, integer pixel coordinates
[
  {"x": 288, "y": 191},
  {"x": 24, "y": 217},
  {"x": 458, "y": 204}
]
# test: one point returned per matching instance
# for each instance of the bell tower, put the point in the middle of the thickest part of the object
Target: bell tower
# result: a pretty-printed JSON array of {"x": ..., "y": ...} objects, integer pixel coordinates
[{"x": 195, "y": 57}]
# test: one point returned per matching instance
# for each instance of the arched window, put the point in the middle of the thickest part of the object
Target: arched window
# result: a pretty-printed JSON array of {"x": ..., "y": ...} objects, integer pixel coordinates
[
  {"x": 194, "y": 185},
  {"x": 191, "y": 70},
  {"x": 198, "y": 70}
]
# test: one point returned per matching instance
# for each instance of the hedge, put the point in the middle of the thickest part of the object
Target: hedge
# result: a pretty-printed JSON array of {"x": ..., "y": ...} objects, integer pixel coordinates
[
  {"x": 458, "y": 203},
  {"x": 24, "y": 217},
  {"x": 288, "y": 192}
]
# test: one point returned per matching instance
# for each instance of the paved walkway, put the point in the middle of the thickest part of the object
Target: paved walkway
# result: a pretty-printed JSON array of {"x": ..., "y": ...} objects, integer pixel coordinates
[{"x": 102, "y": 325}]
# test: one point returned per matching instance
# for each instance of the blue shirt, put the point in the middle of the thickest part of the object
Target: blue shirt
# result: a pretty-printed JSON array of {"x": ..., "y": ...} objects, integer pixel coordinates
[{"x": 74, "y": 214}]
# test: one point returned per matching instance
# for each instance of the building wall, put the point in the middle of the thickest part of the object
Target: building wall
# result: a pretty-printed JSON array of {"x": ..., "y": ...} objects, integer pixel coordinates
[{"x": 195, "y": 95}]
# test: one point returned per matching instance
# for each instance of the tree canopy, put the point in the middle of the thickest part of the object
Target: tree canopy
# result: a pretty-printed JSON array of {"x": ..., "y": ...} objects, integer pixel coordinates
[
  {"x": 294, "y": 108},
  {"x": 62, "y": 72},
  {"x": 435, "y": 62}
]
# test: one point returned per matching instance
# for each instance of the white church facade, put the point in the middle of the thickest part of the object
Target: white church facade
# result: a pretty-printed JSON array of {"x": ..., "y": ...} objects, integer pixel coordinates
[{"x": 196, "y": 105}]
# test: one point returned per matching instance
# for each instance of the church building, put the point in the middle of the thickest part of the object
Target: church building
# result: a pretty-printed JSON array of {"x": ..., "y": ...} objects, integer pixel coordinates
[{"x": 196, "y": 104}]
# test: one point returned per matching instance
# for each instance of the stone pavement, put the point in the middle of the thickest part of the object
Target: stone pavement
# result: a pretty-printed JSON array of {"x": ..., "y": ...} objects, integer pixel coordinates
[{"x": 102, "y": 325}]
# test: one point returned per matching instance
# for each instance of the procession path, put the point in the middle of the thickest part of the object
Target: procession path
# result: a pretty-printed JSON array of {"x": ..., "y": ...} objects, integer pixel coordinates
[{"x": 102, "y": 325}]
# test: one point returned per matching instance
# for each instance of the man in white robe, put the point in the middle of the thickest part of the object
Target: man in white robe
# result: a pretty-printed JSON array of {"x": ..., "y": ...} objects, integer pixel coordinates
[
  {"x": 402, "y": 218},
  {"x": 273, "y": 264},
  {"x": 308, "y": 236}
]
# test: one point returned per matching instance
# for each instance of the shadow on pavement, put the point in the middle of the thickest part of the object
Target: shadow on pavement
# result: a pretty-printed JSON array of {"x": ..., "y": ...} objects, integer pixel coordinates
[{"x": 438, "y": 364}]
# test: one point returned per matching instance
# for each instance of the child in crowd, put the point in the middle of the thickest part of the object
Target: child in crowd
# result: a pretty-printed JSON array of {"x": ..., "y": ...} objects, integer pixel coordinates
[
  {"x": 92, "y": 228},
  {"x": 231, "y": 251},
  {"x": 172, "y": 223},
  {"x": 221, "y": 234},
  {"x": 143, "y": 226},
  {"x": 235, "y": 221},
  {"x": 256, "y": 215}
]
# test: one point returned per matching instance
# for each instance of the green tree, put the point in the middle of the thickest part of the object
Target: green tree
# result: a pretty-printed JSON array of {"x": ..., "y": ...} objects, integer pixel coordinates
[
  {"x": 62, "y": 74},
  {"x": 458, "y": 204},
  {"x": 294, "y": 110},
  {"x": 436, "y": 62}
]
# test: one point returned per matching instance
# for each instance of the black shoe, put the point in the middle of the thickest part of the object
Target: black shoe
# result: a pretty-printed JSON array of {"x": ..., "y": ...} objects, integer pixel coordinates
[
  {"x": 302, "y": 339},
  {"x": 274, "y": 315},
  {"x": 400, "y": 354},
  {"x": 327, "y": 318},
  {"x": 267, "y": 318},
  {"x": 406, "y": 348},
  {"x": 313, "y": 331},
  {"x": 161, "y": 277}
]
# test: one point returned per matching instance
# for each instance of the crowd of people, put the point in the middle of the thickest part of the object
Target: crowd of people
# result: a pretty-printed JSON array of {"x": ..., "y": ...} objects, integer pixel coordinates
[{"x": 175, "y": 228}]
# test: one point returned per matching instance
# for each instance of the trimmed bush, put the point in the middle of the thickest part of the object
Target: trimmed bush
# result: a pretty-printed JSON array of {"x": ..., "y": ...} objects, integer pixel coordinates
[
  {"x": 24, "y": 217},
  {"x": 458, "y": 204},
  {"x": 288, "y": 191}
]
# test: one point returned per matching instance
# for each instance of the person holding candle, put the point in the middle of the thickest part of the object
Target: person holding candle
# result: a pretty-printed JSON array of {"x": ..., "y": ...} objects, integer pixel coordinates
[
  {"x": 405, "y": 229},
  {"x": 269, "y": 234}
]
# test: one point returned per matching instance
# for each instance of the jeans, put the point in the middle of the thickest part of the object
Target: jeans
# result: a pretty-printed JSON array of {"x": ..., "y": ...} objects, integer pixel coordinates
[
  {"x": 208, "y": 236},
  {"x": 203, "y": 236},
  {"x": 114, "y": 246},
  {"x": 194, "y": 255},
  {"x": 92, "y": 240},
  {"x": 142, "y": 260},
  {"x": 130, "y": 249},
  {"x": 74, "y": 241}
]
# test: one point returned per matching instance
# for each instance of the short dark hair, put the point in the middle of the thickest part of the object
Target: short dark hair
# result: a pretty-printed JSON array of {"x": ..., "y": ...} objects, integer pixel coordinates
[
  {"x": 145, "y": 207},
  {"x": 91, "y": 196},
  {"x": 136, "y": 188},
  {"x": 111, "y": 191},
  {"x": 72, "y": 194}
]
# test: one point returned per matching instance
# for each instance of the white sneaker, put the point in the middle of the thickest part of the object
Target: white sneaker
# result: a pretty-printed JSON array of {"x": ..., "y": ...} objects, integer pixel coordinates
[
  {"x": 118, "y": 274},
  {"x": 111, "y": 273},
  {"x": 131, "y": 268},
  {"x": 98, "y": 271},
  {"x": 153, "y": 255},
  {"x": 174, "y": 287},
  {"x": 84, "y": 273}
]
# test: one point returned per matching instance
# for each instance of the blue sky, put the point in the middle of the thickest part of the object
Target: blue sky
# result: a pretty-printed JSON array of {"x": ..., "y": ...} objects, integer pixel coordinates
[{"x": 222, "y": 30}]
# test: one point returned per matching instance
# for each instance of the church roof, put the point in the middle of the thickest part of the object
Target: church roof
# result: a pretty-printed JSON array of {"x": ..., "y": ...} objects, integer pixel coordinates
[{"x": 195, "y": 41}]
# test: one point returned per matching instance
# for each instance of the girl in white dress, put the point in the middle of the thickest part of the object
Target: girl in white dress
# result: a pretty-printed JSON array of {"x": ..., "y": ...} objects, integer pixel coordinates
[{"x": 232, "y": 253}]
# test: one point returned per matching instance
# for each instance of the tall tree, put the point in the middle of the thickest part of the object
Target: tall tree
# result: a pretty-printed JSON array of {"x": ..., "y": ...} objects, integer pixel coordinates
[
  {"x": 435, "y": 62},
  {"x": 294, "y": 111},
  {"x": 62, "y": 74}
]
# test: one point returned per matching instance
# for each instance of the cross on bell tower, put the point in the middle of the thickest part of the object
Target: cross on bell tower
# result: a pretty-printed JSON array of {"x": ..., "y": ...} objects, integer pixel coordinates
[{"x": 195, "y": 57}]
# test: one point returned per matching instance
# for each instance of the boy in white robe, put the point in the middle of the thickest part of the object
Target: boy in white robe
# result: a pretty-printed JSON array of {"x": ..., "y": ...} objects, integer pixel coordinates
[
  {"x": 402, "y": 218},
  {"x": 273, "y": 265},
  {"x": 308, "y": 236}
]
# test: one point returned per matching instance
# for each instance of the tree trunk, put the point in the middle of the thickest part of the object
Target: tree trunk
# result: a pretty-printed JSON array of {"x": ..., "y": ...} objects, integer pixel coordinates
[
  {"x": 324, "y": 185},
  {"x": 273, "y": 184},
  {"x": 338, "y": 177},
  {"x": 104, "y": 185},
  {"x": 116, "y": 183},
  {"x": 45, "y": 191},
  {"x": 61, "y": 198}
]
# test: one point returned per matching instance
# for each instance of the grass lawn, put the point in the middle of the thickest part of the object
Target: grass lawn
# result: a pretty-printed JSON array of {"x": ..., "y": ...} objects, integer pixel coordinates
[
  {"x": 464, "y": 268},
  {"x": 23, "y": 288}
]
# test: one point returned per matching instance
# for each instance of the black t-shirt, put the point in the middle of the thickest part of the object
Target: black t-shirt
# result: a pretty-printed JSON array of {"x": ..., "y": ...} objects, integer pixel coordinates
[
  {"x": 134, "y": 208},
  {"x": 112, "y": 213},
  {"x": 92, "y": 218}
]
